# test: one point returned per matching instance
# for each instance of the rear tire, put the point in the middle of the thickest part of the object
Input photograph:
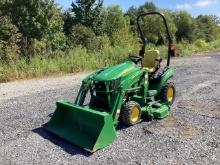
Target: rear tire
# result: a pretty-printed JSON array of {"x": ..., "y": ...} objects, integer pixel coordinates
[
  {"x": 167, "y": 93},
  {"x": 131, "y": 113}
]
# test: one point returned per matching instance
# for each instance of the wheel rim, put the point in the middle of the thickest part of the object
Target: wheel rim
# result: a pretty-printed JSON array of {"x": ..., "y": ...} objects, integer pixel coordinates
[
  {"x": 170, "y": 94},
  {"x": 134, "y": 114}
]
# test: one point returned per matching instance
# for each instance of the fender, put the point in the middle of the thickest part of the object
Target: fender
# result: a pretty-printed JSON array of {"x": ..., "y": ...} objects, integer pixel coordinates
[{"x": 166, "y": 76}]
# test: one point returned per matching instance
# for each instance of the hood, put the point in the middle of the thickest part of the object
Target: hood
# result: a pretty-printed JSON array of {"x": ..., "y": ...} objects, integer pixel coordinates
[{"x": 117, "y": 71}]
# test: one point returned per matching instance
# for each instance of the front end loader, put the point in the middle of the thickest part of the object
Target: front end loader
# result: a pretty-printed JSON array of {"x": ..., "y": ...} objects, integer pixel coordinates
[{"x": 138, "y": 88}]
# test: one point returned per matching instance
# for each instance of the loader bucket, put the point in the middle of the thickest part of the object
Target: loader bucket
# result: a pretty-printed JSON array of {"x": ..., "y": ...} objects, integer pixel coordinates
[{"x": 87, "y": 128}]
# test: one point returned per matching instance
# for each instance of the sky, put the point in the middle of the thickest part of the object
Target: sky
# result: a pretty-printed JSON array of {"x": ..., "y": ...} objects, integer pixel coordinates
[{"x": 195, "y": 7}]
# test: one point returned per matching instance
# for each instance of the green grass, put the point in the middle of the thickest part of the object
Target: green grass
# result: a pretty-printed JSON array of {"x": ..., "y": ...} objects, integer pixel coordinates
[
  {"x": 186, "y": 49},
  {"x": 77, "y": 60}
]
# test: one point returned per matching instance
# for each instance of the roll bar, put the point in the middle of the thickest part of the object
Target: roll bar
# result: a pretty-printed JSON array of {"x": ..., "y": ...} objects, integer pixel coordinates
[{"x": 144, "y": 41}]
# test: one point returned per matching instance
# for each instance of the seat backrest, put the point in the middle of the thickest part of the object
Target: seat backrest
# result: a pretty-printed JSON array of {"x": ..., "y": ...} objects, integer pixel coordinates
[{"x": 150, "y": 59}]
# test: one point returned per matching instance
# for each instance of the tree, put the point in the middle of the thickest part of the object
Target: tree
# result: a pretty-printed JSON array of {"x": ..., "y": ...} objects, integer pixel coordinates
[
  {"x": 152, "y": 26},
  {"x": 208, "y": 27},
  {"x": 114, "y": 20},
  {"x": 9, "y": 38},
  {"x": 84, "y": 36},
  {"x": 148, "y": 6},
  {"x": 171, "y": 25},
  {"x": 40, "y": 19},
  {"x": 216, "y": 19},
  {"x": 88, "y": 13},
  {"x": 8, "y": 31},
  {"x": 68, "y": 22},
  {"x": 132, "y": 14},
  {"x": 186, "y": 26}
]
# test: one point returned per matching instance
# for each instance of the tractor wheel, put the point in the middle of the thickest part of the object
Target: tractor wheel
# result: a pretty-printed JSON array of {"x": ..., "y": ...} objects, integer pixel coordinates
[
  {"x": 167, "y": 93},
  {"x": 131, "y": 113}
]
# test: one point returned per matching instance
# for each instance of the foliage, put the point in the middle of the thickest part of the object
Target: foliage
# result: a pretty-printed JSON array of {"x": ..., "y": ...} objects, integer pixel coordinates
[
  {"x": 153, "y": 26},
  {"x": 216, "y": 19},
  {"x": 123, "y": 38},
  {"x": 8, "y": 53},
  {"x": 76, "y": 60},
  {"x": 9, "y": 37},
  {"x": 88, "y": 13},
  {"x": 40, "y": 19},
  {"x": 104, "y": 42},
  {"x": 186, "y": 26},
  {"x": 114, "y": 20},
  {"x": 69, "y": 62},
  {"x": 8, "y": 31},
  {"x": 132, "y": 14},
  {"x": 148, "y": 6},
  {"x": 84, "y": 36},
  {"x": 208, "y": 27},
  {"x": 200, "y": 43}
]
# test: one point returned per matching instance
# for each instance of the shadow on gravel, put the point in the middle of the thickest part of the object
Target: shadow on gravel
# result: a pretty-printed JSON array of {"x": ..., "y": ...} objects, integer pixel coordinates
[
  {"x": 122, "y": 126},
  {"x": 64, "y": 145}
]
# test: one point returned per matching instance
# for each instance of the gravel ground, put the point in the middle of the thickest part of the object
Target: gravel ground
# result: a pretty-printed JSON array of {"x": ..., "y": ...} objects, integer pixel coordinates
[{"x": 191, "y": 135}]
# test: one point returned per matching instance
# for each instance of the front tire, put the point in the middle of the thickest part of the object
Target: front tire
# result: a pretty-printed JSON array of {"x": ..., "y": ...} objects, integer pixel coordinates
[
  {"x": 167, "y": 93},
  {"x": 131, "y": 113}
]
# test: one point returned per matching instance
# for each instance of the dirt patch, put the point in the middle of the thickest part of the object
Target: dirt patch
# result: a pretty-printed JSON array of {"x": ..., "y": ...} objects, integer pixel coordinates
[
  {"x": 172, "y": 127},
  {"x": 169, "y": 122},
  {"x": 189, "y": 131},
  {"x": 203, "y": 91},
  {"x": 208, "y": 107},
  {"x": 190, "y": 104}
]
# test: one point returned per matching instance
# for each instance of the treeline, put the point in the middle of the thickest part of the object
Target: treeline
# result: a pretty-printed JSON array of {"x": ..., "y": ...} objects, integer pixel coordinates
[
  {"x": 40, "y": 28},
  {"x": 35, "y": 27}
]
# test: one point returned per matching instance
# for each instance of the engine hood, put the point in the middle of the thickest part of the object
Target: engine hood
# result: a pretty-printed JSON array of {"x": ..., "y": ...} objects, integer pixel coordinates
[{"x": 116, "y": 71}]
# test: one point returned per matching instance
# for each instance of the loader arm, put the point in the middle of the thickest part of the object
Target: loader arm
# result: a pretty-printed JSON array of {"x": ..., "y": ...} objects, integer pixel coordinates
[{"x": 126, "y": 86}]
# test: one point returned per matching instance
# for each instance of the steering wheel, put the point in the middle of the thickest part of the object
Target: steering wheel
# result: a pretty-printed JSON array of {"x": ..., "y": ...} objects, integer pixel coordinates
[{"x": 135, "y": 59}]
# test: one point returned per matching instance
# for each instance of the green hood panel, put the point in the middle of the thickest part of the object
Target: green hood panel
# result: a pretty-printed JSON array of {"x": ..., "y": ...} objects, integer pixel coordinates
[{"x": 116, "y": 71}]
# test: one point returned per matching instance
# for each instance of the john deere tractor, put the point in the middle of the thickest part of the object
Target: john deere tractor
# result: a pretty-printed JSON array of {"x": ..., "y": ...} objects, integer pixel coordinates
[{"x": 136, "y": 89}]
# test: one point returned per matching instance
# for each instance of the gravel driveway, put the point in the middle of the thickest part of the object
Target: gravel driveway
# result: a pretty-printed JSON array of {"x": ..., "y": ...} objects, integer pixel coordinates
[{"x": 191, "y": 135}]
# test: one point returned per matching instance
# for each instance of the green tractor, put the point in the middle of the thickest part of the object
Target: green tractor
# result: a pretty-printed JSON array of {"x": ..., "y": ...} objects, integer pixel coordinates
[{"x": 135, "y": 89}]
